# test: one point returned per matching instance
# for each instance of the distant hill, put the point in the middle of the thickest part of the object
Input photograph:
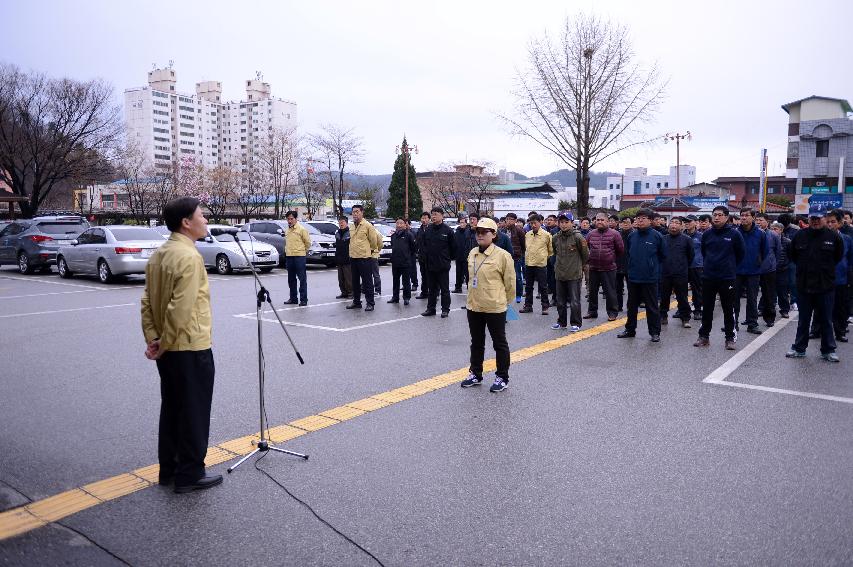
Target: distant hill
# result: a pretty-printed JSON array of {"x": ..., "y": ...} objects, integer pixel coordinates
[{"x": 567, "y": 177}]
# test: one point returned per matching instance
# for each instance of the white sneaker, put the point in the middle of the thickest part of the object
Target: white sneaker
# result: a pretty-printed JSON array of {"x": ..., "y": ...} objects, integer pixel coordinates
[{"x": 574, "y": 328}]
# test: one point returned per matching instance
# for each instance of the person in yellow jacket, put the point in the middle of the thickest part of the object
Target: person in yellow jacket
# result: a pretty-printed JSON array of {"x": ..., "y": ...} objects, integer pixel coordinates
[
  {"x": 176, "y": 323},
  {"x": 364, "y": 242},
  {"x": 538, "y": 248},
  {"x": 491, "y": 288},
  {"x": 297, "y": 241}
]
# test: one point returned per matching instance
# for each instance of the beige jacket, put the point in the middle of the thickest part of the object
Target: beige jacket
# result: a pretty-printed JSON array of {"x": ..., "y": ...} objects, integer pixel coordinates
[{"x": 495, "y": 274}]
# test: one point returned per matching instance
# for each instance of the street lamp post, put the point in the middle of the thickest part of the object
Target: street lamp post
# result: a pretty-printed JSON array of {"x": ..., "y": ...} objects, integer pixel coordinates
[
  {"x": 406, "y": 150},
  {"x": 677, "y": 136}
]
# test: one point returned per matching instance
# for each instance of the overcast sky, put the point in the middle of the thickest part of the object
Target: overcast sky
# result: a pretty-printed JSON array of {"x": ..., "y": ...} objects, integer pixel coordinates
[{"x": 439, "y": 71}]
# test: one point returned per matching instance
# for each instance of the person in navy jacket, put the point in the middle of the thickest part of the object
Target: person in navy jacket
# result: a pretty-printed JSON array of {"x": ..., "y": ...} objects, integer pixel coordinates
[
  {"x": 749, "y": 269},
  {"x": 768, "y": 283},
  {"x": 646, "y": 253},
  {"x": 694, "y": 274},
  {"x": 723, "y": 250}
]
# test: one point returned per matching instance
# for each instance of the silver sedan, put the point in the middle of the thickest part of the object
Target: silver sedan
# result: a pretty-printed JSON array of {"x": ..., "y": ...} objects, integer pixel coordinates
[
  {"x": 220, "y": 250},
  {"x": 108, "y": 251}
]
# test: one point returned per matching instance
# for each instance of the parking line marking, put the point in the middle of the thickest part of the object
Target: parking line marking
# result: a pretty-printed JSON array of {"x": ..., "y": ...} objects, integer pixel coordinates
[
  {"x": 42, "y": 280},
  {"x": 732, "y": 364},
  {"x": 44, "y": 294},
  {"x": 788, "y": 392},
  {"x": 42, "y": 512},
  {"x": 67, "y": 310},
  {"x": 251, "y": 316}
]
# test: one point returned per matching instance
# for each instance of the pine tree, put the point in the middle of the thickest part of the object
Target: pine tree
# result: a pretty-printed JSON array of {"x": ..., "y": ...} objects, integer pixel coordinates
[{"x": 397, "y": 188}]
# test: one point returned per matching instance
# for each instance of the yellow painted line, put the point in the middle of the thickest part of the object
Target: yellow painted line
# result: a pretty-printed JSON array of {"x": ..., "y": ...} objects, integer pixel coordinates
[
  {"x": 62, "y": 505},
  {"x": 40, "y": 513}
]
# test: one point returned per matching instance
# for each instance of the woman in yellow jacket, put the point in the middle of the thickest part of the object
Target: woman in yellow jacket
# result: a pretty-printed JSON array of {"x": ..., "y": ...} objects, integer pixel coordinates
[{"x": 490, "y": 289}]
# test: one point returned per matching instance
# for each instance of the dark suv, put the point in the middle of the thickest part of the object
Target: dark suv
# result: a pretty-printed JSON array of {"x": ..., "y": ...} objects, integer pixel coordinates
[{"x": 32, "y": 244}]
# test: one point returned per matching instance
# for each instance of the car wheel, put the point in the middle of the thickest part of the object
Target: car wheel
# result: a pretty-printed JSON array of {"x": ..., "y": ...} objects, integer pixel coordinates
[
  {"x": 265, "y": 270},
  {"x": 62, "y": 266},
  {"x": 223, "y": 265},
  {"x": 104, "y": 273},
  {"x": 24, "y": 265}
]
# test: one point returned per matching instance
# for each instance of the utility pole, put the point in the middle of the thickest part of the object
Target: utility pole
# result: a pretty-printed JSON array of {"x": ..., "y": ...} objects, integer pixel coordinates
[
  {"x": 677, "y": 136},
  {"x": 406, "y": 150}
]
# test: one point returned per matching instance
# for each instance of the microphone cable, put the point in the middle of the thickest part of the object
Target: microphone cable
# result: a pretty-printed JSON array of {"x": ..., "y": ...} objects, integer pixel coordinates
[{"x": 316, "y": 515}]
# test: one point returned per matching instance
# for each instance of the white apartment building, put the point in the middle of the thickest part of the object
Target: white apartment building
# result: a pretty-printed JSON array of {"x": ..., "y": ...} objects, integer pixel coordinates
[
  {"x": 637, "y": 181},
  {"x": 169, "y": 126}
]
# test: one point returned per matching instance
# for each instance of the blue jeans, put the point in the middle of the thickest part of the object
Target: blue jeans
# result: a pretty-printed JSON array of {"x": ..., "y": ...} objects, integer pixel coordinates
[
  {"x": 296, "y": 269},
  {"x": 519, "y": 277}
]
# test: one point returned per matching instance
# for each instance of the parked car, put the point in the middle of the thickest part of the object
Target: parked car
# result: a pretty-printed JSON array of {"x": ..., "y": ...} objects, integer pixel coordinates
[
  {"x": 221, "y": 251},
  {"x": 386, "y": 232},
  {"x": 109, "y": 251},
  {"x": 272, "y": 232},
  {"x": 33, "y": 243}
]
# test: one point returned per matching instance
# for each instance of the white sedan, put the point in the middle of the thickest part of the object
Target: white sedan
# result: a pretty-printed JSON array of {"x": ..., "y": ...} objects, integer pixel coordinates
[{"x": 220, "y": 250}]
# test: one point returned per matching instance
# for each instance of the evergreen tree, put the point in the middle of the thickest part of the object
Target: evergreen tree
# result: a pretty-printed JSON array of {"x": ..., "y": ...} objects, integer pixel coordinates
[{"x": 397, "y": 188}]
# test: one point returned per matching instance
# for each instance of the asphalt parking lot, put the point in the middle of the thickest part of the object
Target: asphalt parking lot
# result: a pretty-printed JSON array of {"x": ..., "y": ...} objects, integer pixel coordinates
[{"x": 602, "y": 451}]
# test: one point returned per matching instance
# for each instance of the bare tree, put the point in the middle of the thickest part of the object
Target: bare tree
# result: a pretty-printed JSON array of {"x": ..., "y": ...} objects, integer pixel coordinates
[
  {"x": 251, "y": 193},
  {"x": 52, "y": 131},
  {"x": 278, "y": 160},
  {"x": 221, "y": 185},
  {"x": 312, "y": 192},
  {"x": 583, "y": 97},
  {"x": 477, "y": 189},
  {"x": 191, "y": 178},
  {"x": 139, "y": 180},
  {"x": 339, "y": 149},
  {"x": 445, "y": 190}
]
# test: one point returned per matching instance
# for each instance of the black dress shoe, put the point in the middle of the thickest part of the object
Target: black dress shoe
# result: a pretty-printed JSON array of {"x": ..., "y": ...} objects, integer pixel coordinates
[
  {"x": 369, "y": 307},
  {"x": 421, "y": 296},
  {"x": 655, "y": 338},
  {"x": 393, "y": 301},
  {"x": 207, "y": 481},
  {"x": 626, "y": 335},
  {"x": 291, "y": 302},
  {"x": 428, "y": 313},
  {"x": 166, "y": 479},
  {"x": 303, "y": 304},
  {"x": 814, "y": 335},
  {"x": 444, "y": 314},
  {"x": 354, "y": 306},
  {"x": 842, "y": 339},
  {"x": 753, "y": 330},
  {"x": 405, "y": 302},
  {"x": 341, "y": 296},
  {"x": 457, "y": 290}
]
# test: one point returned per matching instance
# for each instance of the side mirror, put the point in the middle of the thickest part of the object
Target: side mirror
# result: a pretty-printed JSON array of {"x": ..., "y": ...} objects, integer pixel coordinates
[
  {"x": 208, "y": 239},
  {"x": 74, "y": 242},
  {"x": 279, "y": 231}
]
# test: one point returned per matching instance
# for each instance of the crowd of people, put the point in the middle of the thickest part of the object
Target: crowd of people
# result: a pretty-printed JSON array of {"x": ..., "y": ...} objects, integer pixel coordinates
[{"x": 754, "y": 265}]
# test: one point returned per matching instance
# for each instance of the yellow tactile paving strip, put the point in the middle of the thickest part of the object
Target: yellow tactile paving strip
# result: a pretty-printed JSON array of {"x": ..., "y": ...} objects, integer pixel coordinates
[{"x": 40, "y": 513}]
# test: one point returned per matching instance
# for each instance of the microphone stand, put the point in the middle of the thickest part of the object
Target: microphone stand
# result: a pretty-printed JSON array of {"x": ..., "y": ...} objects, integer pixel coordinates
[{"x": 263, "y": 445}]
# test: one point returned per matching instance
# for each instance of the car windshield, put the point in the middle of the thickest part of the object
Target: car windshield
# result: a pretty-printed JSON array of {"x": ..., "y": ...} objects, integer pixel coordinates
[
  {"x": 125, "y": 234},
  {"x": 63, "y": 227},
  {"x": 229, "y": 236},
  {"x": 384, "y": 230},
  {"x": 326, "y": 227}
]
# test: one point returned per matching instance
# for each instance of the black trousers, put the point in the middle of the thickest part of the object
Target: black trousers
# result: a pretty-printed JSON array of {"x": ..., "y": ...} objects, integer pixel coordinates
[
  {"x": 839, "y": 314},
  {"x": 767, "y": 303},
  {"x": 439, "y": 282},
  {"x": 820, "y": 306},
  {"x": 783, "y": 291},
  {"x": 496, "y": 323},
  {"x": 607, "y": 280},
  {"x": 461, "y": 273},
  {"x": 413, "y": 272},
  {"x": 751, "y": 284},
  {"x": 726, "y": 290},
  {"x": 569, "y": 293},
  {"x": 362, "y": 277},
  {"x": 424, "y": 277},
  {"x": 621, "y": 280},
  {"x": 377, "y": 279},
  {"x": 398, "y": 274},
  {"x": 345, "y": 279},
  {"x": 668, "y": 284},
  {"x": 186, "y": 392},
  {"x": 694, "y": 275},
  {"x": 532, "y": 275},
  {"x": 643, "y": 293}
]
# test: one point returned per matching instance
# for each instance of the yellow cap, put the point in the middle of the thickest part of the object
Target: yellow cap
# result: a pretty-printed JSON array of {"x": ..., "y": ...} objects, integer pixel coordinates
[{"x": 487, "y": 223}]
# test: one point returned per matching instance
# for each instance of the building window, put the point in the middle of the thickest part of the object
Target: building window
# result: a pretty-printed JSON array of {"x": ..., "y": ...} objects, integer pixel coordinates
[
  {"x": 658, "y": 186},
  {"x": 611, "y": 186},
  {"x": 666, "y": 185},
  {"x": 822, "y": 148}
]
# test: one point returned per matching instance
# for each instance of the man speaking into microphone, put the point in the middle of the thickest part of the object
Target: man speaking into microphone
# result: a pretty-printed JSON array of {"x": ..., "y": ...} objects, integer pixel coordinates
[{"x": 176, "y": 322}]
